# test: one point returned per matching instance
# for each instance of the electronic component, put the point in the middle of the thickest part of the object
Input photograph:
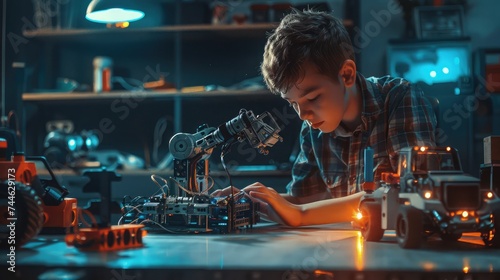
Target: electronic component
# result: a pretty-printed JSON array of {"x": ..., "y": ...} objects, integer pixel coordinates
[
  {"x": 192, "y": 209},
  {"x": 192, "y": 214}
]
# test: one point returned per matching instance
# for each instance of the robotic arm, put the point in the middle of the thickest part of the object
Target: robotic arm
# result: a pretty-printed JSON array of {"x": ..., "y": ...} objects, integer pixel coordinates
[{"x": 260, "y": 131}]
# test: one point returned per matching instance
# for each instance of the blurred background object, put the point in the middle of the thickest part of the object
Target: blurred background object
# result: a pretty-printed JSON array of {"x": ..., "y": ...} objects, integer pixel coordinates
[{"x": 113, "y": 11}]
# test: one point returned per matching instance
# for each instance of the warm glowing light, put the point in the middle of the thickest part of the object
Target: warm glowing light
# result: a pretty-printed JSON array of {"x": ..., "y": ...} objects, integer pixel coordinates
[
  {"x": 422, "y": 149},
  {"x": 359, "y": 215},
  {"x": 428, "y": 266},
  {"x": 489, "y": 195},
  {"x": 124, "y": 24},
  {"x": 319, "y": 272},
  {"x": 448, "y": 149},
  {"x": 465, "y": 214},
  {"x": 466, "y": 266},
  {"x": 359, "y": 261},
  {"x": 428, "y": 194}
]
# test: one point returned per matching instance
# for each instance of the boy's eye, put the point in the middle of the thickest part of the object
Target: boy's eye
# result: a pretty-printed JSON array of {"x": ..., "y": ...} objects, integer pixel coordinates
[{"x": 314, "y": 98}]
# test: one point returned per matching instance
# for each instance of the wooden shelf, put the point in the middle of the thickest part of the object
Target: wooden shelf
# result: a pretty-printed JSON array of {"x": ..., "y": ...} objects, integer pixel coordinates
[
  {"x": 135, "y": 34},
  {"x": 195, "y": 31},
  {"x": 74, "y": 96}
]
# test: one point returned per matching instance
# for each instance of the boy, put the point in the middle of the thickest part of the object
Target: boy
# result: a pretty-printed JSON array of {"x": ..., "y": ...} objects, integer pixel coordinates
[{"x": 309, "y": 62}]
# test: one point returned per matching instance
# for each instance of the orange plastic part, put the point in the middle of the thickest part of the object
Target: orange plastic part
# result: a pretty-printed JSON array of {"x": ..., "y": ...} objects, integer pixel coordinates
[
  {"x": 107, "y": 239},
  {"x": 390, "y": 178},
  {"x": 62, "y": 215}
]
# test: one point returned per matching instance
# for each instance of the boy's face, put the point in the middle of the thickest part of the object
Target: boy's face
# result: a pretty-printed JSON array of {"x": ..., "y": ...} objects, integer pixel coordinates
[{"x": 318, "y": 99}]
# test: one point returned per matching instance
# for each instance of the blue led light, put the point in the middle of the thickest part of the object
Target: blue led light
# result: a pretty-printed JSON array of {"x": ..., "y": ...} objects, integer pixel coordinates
[
  {"x": 88, "y": 142},
  {"x": 71, "y": 144},
  {"x": 433, "y": 74}
]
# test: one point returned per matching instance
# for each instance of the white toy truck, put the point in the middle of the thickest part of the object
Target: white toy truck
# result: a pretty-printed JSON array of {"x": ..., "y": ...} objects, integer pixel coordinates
[{"x": 429, "y": 194}]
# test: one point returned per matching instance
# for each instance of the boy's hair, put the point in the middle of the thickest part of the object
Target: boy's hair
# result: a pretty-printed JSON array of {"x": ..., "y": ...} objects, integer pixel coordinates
[{"x": 308, "y": 35}]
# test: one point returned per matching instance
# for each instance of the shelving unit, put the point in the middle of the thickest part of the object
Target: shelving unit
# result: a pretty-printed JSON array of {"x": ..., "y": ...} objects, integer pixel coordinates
[
  {"x": 159, "y": 94},
  {"x": 175, "y": 44},
  {"x": 188, "y": 56}
]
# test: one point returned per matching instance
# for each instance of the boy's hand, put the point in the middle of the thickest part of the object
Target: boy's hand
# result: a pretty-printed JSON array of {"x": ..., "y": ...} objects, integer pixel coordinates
[
  {"x": 273, "y": 205},
  {"x": 225, "y": 191}
]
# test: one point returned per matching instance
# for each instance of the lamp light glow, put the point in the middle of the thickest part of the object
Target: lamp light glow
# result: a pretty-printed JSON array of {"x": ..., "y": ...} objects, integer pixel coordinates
[{"x": 104, "y": 11}]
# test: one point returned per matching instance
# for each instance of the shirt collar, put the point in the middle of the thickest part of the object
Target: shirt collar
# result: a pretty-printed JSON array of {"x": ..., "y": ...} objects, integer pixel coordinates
[{"x": 372, "y": 106}]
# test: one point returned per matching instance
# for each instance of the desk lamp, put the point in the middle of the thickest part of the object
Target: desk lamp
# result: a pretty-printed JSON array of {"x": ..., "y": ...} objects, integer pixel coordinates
[{"x": 113, "y": 11}]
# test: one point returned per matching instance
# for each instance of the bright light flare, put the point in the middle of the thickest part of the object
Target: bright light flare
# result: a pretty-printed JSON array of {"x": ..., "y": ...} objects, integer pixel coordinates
[
  {"x": 427, "y": 194},
  {"x": 359, "y": 215}
]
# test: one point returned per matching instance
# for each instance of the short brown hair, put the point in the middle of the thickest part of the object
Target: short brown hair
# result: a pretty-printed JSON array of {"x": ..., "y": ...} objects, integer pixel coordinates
[{"x": 317, "y": 37}]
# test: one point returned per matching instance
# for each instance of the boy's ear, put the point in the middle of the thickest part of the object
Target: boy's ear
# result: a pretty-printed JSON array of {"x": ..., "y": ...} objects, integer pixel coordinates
[{"x": 348, "y": 72}]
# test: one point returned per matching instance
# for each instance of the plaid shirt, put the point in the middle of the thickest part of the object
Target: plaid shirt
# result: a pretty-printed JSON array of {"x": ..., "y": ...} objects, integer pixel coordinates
[{"x": 395, "y": 115}]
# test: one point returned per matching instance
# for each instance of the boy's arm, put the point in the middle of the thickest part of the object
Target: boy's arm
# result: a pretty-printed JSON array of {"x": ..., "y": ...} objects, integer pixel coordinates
[{"x": 280, "y": 210}]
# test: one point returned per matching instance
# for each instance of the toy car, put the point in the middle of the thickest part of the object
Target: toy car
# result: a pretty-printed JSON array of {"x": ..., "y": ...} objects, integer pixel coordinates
[{"x": 429, "y": 194}]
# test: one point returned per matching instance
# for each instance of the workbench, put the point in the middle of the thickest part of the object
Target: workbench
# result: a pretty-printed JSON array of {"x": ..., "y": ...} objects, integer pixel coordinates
[{"x": 267, "y": 251}]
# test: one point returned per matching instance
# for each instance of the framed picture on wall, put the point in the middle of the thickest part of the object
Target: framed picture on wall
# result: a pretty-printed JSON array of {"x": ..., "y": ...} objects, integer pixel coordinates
[{"x": 439, "y": 22}]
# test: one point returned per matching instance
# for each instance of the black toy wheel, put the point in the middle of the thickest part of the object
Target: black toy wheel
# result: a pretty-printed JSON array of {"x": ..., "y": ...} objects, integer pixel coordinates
[
  {"x": 450, "y": 237},
  {"x": 409, "y": 227},
  {"x": 492, "y": 238},
  {"x": 27, "y": 211},
  {"x": 371, "y": 224}
]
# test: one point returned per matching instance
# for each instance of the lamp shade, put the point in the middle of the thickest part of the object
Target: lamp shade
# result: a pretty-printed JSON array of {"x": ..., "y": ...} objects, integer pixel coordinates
[{"x": 112, "y": 11}]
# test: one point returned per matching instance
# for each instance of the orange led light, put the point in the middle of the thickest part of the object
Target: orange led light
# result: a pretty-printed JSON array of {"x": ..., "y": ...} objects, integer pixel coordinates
[{"x": 428, "y": 194}]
